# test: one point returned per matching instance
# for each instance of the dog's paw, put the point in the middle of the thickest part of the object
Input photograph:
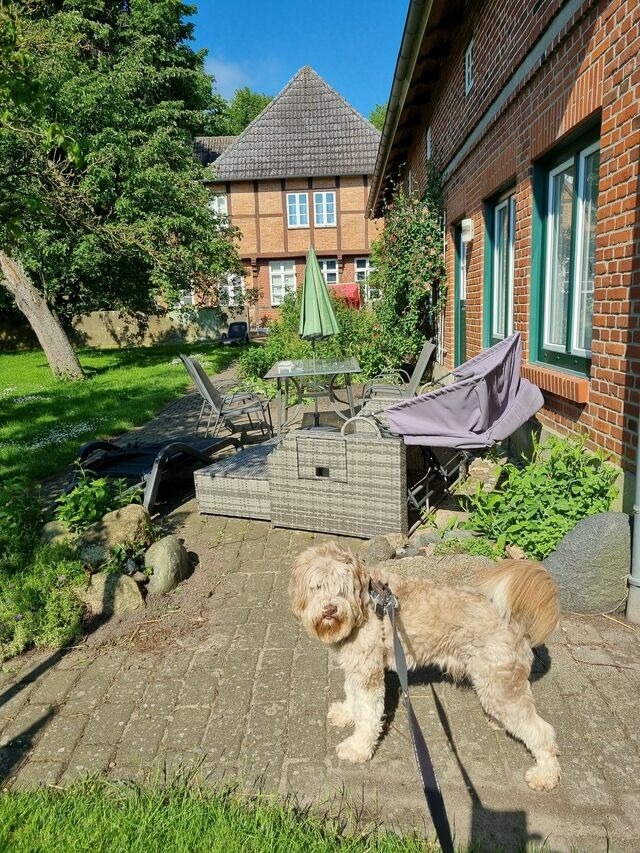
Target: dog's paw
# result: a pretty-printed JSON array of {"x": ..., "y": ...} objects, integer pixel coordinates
[
  {"x": 354, "y": 750},
  {"x": 339, "y": 715},
  {"x": 543, "y": 777}
]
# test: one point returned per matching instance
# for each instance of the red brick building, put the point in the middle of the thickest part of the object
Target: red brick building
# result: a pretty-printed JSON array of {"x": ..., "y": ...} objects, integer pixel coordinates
[
  {"x": 298, "y": 176},
  {"x": 530, "y": 111}
]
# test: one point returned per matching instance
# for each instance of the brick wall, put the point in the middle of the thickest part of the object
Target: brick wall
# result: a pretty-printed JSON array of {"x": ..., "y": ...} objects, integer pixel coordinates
[{"x": 590, "y": 72}]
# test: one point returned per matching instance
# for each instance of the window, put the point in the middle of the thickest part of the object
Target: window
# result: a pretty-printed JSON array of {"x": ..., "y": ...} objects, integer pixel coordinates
[
  {"x": 427, "y": 144},
  {"x": 218, "y": 204},
  {"x": 297, "y": 210},
  {"x": 231, "y": 290},
  {"x": 468, "y": 68},
  {"x": 325, "y": 209},
  {"x": 501, "y": 259},
  {"x": 569, "y": 211},
  {"x": 187, "y": 297},
  {"x": 282, "y": 275},
  {"x": 329, "y": 269},
  {"x": 411, "y": 184},
  {"x": 363, "y": 269}
]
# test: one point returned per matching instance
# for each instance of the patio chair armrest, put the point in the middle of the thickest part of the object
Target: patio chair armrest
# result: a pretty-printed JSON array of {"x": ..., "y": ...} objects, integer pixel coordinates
[{"x": 363, "y": 420}]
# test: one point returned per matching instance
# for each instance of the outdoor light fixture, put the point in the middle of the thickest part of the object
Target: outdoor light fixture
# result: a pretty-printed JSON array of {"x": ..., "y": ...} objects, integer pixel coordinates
[{"x": 466, "y": 230}]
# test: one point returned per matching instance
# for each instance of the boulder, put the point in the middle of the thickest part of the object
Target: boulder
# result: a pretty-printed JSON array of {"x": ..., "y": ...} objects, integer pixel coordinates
[
  {"x": 453, "y": 570},
  {"x": 55, "y": 532},
  {"x": 379, "y": 549},
  {"x": 127, "y": 526},
  {"x": 111, "y": 594},
  {"x": 170, "y": 563},
  {"x": 591, "y": 563}
]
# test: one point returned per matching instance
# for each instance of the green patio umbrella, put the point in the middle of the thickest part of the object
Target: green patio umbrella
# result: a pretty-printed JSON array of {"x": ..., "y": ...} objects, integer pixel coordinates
[{"x": 317, "y": 320}]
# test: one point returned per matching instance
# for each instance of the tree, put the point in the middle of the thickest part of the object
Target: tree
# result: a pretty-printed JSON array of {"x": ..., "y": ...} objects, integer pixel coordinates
[
  {"x": 230, "y": 118},
  {"x": 102, "y": 203},
  {"x": 378, "y": 115}
]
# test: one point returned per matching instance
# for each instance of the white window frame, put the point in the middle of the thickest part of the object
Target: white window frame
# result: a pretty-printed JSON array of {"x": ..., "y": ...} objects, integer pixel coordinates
[
  {"x": 321, "y": 221},
  {"x": 229, "y": 284},
  {"x": 280, "y": 273},
  {"x": 579, "y": 246},
  {"x": 410, "y": 183},
  {"x": 218, "y": 204},
  {"x": 369, "y": 293},
  {"x": 298, "y": 218},
  {"x": 324, "y": 262},
  {"x": 508, "y": 204},
  {"x": 468, "y": 68},
  {"x": 427, "y": 144}
]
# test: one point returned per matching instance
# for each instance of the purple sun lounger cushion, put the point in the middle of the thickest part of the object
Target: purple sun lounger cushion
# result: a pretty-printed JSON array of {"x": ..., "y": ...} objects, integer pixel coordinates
[{"x": 486, "y": 403}]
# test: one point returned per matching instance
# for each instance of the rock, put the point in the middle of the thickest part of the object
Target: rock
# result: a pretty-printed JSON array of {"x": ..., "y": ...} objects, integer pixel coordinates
[
  {"x": 111, "y": 594},
  {"x": 379, "y": 549},
  {"x": 170, "y": 563},
  {"x": 515, "y": 552},
  {"x": 55, "y": 532},
  {"x": 127, "y": 526},
  {"x": 396, "y": 540},
  {"x": 591, "y": 563},
  {"x": 140, "y": 577},
  {"x": 443, "y": 517},
  {"x": 453, "y": 570}
]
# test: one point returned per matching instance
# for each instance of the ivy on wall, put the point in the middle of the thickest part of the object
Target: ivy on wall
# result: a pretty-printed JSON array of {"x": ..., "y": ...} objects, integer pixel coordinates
[{"x": 409, "y": 271}]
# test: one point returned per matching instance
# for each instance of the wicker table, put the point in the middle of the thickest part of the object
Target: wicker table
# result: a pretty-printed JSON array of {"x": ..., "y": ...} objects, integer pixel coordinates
[{"x": 305, "y": 376}]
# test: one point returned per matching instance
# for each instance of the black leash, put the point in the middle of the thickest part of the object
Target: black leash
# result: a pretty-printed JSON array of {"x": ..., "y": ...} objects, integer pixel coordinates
[{"x": 384, "y": 601}]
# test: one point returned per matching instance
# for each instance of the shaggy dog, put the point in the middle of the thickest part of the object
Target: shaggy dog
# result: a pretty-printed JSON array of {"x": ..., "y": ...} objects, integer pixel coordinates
[{"x": 485, "y": 636}]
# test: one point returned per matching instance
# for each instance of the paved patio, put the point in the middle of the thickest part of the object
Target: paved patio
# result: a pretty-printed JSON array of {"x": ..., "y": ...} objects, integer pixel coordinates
[{"x": 218, "y": 677}]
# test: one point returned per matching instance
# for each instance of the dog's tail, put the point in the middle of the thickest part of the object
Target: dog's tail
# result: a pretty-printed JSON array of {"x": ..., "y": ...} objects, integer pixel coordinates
[{"x": 524, "y": 590}]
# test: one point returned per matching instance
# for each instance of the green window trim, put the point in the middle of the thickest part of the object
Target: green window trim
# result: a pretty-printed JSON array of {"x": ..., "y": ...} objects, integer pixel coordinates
[{"x": 567, "y": 166}]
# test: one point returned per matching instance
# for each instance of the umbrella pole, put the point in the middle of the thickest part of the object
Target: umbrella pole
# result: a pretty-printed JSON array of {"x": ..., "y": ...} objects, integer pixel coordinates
[{"x": 316, "y": 416}]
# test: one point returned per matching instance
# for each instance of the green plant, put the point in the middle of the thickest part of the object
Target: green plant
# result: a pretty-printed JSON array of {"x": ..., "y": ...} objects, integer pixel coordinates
[
  {"x": 38, "y": 605},
  {"x": 20, "y": 516},
  {"x": 92, "y": 498},
  {"x": 539, "y": 502},
  {"x": 477, "y": 545},
  {"x": 409, "y": 272}
]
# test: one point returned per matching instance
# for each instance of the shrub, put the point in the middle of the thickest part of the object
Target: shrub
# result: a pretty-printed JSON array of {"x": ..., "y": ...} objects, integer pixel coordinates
[
  {"x": 538, "y": 503},
  {"x": 92, "y": 498},
  {"x": 38, "y": 605},
  {"x": 20, "y": 518},
  {"x": 284, "y": 343}
]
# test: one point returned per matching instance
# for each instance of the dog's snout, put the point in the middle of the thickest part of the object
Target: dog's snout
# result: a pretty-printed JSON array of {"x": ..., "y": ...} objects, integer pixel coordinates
[{"x": 329, "y": 610}]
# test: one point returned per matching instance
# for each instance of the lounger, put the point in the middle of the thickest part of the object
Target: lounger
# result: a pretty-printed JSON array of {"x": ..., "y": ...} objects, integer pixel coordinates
[{"x": 147, "y": 464}]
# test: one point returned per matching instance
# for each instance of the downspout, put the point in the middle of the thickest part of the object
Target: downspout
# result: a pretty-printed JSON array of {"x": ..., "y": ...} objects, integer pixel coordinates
[{"x": 633, "y": 601}]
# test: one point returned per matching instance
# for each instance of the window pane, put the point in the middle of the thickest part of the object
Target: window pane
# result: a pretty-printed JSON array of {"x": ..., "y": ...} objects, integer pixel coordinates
[
  {"x": 500, "y": 271},
  {"x": 559, "y": 261},
  {"x": 585, "y": 262}
]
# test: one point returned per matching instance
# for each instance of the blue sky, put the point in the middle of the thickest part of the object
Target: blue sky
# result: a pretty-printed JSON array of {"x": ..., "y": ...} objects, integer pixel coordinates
[{"x": 353, "y": 44}]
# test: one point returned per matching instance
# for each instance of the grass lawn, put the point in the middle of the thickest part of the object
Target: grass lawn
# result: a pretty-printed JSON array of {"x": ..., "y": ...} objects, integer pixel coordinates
[
  {"x": 98, "y": 816},
  {"x": 44, "y": 421}
]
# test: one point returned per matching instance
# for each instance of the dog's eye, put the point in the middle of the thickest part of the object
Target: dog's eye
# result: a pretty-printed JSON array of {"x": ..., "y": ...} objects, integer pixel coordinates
[{"x": 318, "y": 586}]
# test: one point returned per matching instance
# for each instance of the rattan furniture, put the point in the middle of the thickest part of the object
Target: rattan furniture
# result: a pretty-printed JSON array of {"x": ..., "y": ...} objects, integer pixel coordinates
[
  {"x": 354, "y": 485},
  {"x": 237, "y": 485}
]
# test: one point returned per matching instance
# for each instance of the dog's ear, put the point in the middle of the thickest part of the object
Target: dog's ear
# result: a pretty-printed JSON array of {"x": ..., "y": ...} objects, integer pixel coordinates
[
  {"x": 297, "y": 587},
  {"x": 361, "y": 579}
]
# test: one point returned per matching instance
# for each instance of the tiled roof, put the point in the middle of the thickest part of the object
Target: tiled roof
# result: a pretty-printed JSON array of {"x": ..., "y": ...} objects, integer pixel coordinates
[
  {"x": 308, "y": 130},
  {"x": 209, "y": 148}
]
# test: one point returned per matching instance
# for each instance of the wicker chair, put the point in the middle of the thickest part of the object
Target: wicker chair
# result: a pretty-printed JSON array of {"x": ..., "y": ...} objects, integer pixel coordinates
[
  {"x": 354, "y": 485},
  {"x": 233, "y": 411}
]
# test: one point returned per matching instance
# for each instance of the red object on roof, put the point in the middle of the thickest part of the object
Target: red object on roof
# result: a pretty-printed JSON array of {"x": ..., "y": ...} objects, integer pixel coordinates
[{"x": 349, "y": 293}]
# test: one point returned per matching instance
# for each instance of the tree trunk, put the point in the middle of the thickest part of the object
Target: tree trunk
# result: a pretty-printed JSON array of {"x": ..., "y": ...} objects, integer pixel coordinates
[{"x": 53, "y": 339}]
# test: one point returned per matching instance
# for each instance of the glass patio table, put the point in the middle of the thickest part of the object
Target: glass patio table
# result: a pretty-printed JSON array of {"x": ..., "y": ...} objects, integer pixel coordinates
[{"x": 311, "y": 379}]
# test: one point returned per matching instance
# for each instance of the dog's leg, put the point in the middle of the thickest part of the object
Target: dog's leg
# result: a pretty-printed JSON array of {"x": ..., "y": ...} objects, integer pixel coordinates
[
  {"x": 365, "y": 702},
  {"x": 506, "y": 695},
  {"x": 340, "y": 714}
]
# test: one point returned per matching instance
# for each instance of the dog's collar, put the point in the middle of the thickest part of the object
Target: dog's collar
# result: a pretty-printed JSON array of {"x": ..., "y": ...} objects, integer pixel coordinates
[{"x": 382, "y": 599}]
